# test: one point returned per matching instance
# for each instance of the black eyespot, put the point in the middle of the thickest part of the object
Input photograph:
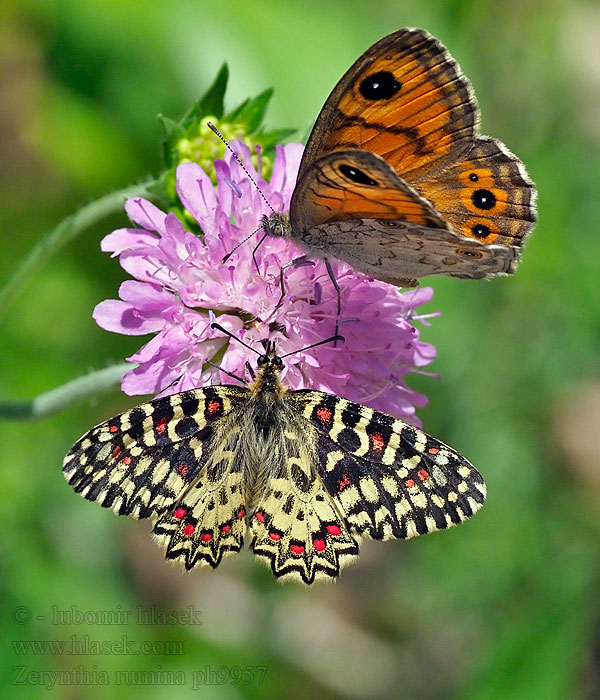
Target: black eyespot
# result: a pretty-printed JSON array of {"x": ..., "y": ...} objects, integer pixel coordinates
[
  {"x": 356, "y": 175},
  {"x": 379, "y": 86},
  {"x": 473, "y": 177},
  {"x": 483, "y": 199},
  {"x": 468, "y": 253},
  {"x": 480, "y": 230},
  {"x": 263, "y": 359}
]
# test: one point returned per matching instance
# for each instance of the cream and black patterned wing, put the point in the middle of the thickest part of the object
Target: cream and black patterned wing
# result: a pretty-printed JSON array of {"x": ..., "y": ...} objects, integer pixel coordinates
[
  {"x": 296, "y": 526},
  {"x": 386, "y": 477},
  {"x": 166, "y": 460},
  {"x": 208, "y": 521}
]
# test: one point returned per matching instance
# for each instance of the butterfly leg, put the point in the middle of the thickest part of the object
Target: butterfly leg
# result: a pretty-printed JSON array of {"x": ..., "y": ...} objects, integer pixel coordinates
[
  {"x": 302, "y": 260},
  {"x": 256, "y": 247},
  {"x": 339, "y": 297}
]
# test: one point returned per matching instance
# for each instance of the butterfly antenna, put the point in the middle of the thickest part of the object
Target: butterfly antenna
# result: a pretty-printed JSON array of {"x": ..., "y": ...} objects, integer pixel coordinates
[
  {"x": 212, "y": 127},
  {"x": 333, "y": 339},
  {"x": 217, "y": 327},
  {"x": 229, "y": 374},
  {"x": 226, "y": 258}
]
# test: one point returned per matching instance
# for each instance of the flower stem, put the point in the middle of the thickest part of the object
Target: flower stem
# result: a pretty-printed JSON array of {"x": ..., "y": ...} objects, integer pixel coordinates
[
  {"x": 62, "y": 234},
  {"x": 46, "y": 404}
]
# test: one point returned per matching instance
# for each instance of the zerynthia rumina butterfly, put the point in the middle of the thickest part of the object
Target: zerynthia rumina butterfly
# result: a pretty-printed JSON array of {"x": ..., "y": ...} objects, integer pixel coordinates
[{"x": 305, "y": 472}]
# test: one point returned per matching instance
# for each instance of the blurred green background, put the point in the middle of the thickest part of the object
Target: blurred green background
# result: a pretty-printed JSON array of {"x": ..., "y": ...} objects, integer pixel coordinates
[{"x": 507, "y": 605}]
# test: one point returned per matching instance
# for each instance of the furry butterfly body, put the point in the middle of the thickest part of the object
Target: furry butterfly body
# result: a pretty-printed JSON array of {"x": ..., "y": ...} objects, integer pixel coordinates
[
  {"x": 395, "y": 179},
  {"x": 307, "y": 473}
]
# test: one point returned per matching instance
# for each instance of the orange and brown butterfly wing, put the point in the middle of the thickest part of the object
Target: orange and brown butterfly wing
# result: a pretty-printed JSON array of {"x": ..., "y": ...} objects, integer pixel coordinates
[
  {"x": 354, "y": 184},
  {"x": 404, "y": 99},
  {"x": 396, "y": 146},
  {"x": 487, "y": 196},
  {"x": 353, "y": 206}
]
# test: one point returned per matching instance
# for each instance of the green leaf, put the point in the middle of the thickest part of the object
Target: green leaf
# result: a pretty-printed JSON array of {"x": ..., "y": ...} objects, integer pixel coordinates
[
  {"x": 173, "y": 132},
  {"x": 268, "y": 139},
  {"x": 212, "y": 103},
  {"x": 251, "y": 112},
  {"x": 234, "y": 115}
]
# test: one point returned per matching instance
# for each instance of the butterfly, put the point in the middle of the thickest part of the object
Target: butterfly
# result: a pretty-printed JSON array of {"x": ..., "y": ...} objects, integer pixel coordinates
[
  {"x": 395, "y": 179},
  {"x": 305, "y": 472}
]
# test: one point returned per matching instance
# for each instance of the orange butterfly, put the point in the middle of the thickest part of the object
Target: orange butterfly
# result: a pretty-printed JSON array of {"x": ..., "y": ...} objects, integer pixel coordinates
[{"x": 395, "y": 179}]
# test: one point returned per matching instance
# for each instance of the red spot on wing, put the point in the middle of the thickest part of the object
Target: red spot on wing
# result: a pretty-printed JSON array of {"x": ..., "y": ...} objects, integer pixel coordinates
[
  {"x": 161, "y": 425},
  {"x": 260, "y": 517},
  {"x": 319, "y": 545},
  {"x": 226, "y": 528},
  {"x": 422, "y": 474},
  {"x": 116, "y": 452},
  {"x": 241, "y": 513},
  {"x": 433, "y": 450},
  {"x": 345, "y": 481},
  {"x": 324, "y": 414},
  {"x": 206, "y": 536},
  {"x": 377, "y": 442},
  {"x": 213, "y": 407},
  {"x": 297, "y": 548},
  {"x": 274, "y": 536},
  {"x": 188, "y": 530},
  {"x": 183, "y": 469},
  {"x": 126, "y": 460},
  {"x": 179, "y": 513},
  {"x": 409, "y": 483},
  {"x": 113, "y": 428},
  {"x": 334, "y": 530}
]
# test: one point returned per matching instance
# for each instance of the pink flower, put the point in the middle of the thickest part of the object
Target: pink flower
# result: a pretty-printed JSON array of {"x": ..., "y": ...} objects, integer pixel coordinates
[{"x": 180, "y": 285}]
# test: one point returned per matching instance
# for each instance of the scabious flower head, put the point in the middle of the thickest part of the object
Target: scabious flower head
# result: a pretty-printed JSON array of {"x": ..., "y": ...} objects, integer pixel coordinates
[{"x": 180, "y": 286}]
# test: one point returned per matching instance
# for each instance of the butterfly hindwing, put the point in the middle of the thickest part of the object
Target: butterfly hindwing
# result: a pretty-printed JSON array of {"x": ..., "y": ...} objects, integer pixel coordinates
[
  {"x": 296, "y": 526},
  {"x": 488, "y": 196},
  {"x": 388, "y": 478},
  {"x": 208, "y": 521},
  {"x": 398, "y": 252}
]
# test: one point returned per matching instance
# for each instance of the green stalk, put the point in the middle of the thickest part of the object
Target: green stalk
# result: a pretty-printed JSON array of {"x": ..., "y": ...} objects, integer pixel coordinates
[
  {"x": 62, "y": 234},
  {"x": 90, "y": 385}
]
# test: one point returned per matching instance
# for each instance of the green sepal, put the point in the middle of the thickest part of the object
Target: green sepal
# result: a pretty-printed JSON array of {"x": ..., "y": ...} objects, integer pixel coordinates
[
  {"x": 251, "y": 112},
  {"x": 213, "y": 101}
]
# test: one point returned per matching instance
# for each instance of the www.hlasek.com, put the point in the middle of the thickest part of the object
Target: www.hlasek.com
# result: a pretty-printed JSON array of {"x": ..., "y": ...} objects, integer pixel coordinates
[
  {"x": 85, "y": 645},
  {"x": 92, "y": 676}
]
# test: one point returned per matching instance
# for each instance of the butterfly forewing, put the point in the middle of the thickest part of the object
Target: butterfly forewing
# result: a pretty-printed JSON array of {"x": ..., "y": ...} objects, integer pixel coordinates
[
  {"x": 388, "y": 478},
  {"x": 378, "y": 193},
  {"x": 142, "y": 461},
  {"x": 296, "y": 525},
  {"x": 406, "y": 99}
]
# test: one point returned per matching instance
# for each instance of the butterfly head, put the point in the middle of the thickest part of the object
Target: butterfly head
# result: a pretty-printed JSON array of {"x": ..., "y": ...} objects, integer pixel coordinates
[
  {"x": 278, "y": 224},
  {"x": 269, "y": 368}
]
